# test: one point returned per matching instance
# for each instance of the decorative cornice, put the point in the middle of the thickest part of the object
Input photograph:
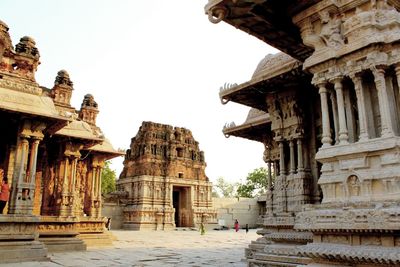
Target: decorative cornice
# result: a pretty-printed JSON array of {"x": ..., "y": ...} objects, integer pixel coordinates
[{"x": 352, "y": 254}]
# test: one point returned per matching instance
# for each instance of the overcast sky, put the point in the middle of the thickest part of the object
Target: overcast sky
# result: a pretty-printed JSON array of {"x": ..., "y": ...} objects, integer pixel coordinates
[{"x": 152, "y": 60}]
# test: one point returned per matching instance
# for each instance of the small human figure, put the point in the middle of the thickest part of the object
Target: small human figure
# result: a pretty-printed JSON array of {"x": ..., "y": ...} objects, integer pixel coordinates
[
  {"x": 247, "y": 228},
  {"x": 108, "y": 224},
  {"x": 202, "y": 229},
  {"x": 4, "y": 193},
  {"x": 236, "y": 225}
]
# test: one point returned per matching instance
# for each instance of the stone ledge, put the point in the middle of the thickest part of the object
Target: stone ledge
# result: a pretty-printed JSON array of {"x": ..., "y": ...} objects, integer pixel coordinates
[{"x": 352, "y": 254}]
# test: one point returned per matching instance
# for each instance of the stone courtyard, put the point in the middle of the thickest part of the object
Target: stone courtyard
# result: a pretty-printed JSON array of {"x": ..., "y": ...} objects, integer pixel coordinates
[{"x": 159, "y": 248}]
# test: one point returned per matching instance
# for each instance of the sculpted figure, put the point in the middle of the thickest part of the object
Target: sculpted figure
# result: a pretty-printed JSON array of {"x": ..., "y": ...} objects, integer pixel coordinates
[{"x": 331, "y": 30}]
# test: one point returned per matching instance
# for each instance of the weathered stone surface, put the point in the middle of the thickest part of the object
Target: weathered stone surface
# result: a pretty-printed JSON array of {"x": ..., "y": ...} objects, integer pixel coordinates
[
  {"x": 354, "y": 61},
  {"x": 164, "y": 180},
  {"x": 51, "y": 155}
]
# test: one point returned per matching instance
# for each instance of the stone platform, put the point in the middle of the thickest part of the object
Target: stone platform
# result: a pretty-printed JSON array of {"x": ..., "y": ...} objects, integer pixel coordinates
[{"x": 159, "y": 248}]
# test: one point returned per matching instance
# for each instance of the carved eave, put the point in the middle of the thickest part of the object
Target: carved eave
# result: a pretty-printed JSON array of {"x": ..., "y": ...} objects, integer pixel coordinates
[
  {"x": 270, "y": 21},
  {"x": 106, "y": 150},
  {"x": 255, "y": 129},
  {"x": 80, "y": 131},
  {"x": 252, "y": 93}
]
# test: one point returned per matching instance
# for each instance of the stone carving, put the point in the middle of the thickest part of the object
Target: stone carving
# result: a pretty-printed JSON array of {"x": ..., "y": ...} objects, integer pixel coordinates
[
  {"x": 331, "y": 30},
  {"x": 164, "y": 180}
]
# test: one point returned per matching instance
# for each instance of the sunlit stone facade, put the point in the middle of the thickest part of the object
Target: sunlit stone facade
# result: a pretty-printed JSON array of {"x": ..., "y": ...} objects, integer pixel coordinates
[
  {"x": 164, "y": 180},
  {"x": 52, "y": 156},
  {"x": 341, "y": 120}
]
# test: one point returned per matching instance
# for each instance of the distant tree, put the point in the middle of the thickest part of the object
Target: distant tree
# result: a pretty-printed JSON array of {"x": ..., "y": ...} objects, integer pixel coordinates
[
  {"x": 224, "y": 188},
  {"x": 108, "y": 178},
  {"x": 255, "y": 184}
]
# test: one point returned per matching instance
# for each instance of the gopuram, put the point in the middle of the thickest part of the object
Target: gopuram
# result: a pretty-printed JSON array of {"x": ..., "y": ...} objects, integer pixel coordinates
[
  {"x": 52, "y": 156},
  {"x": 331, "y": 128},
  {"x": 164, "y": 180}
]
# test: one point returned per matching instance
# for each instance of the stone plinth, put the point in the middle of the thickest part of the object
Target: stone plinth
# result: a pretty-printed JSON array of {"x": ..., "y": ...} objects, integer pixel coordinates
[
  {"x": 19, "y": 240},
  {"x": 59, "y": 234}
]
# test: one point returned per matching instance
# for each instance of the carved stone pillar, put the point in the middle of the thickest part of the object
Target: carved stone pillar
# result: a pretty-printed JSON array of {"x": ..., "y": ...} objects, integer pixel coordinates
[
  {"x": 33, "y": 161},
  {"x": 343, "y": 133},
  {"x": 326, "y": 129},
  {"x": 335, "y": 117},
  {"x": 397, "y": 70},
  {"x": 292, "y": 157},
  {"x": 357, "y": 80},
  {"x": 384, "y": 108},
  {"x": 282, "y": 170},
  {"x": 65, "y": 209},
  {"x": 19, "y": 203},
  {"x": 300, "y": 161},
  {"x": 269, "y": 174}
]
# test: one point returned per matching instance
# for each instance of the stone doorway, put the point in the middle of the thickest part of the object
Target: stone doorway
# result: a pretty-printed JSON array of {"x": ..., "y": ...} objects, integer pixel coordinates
[{"x": 182, "y": 204}]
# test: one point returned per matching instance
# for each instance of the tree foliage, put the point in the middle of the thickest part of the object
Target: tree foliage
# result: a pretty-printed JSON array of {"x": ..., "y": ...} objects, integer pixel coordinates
[
  {"x": 224, "y": 188},
  {"x": 108, "y": 178},
  {"x": 255, "y": 184}
]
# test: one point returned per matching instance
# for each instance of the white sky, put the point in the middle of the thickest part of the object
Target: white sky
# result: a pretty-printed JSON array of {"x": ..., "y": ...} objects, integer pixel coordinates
[{"x": 152, "y": 60}]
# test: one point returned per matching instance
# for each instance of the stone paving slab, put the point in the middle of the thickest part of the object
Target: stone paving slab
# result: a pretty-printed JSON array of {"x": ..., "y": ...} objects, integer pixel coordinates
[{"x": 158, "y": 248}]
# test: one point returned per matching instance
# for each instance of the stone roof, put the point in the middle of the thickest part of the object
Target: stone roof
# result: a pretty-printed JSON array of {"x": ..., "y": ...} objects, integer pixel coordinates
[
  {"x": 274, "y": 64},
  {"x": 106, "y": 147},
  {"x": 18, "y": 101},
  {"x": 79, "y": 129},
  {"x": 254, "y": 128}
]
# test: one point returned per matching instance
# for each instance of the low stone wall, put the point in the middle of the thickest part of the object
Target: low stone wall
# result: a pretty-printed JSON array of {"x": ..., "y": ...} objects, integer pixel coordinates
[
  {"x": 113, "y": 211},
  {"x": 245, "y": 210}
]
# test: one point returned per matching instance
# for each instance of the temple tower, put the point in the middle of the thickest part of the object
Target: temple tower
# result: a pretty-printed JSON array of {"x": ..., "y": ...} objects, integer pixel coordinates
[{"x": 164, "y": 175}]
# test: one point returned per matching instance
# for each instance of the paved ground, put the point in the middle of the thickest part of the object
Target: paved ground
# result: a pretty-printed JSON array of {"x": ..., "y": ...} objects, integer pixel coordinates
[{"x": 161, "y": 249}]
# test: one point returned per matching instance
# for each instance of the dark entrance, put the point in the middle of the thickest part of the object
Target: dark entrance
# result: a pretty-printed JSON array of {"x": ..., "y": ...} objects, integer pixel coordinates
[
  {"x": 181, "y": 202},
  {"x": 175, "y": 200}
]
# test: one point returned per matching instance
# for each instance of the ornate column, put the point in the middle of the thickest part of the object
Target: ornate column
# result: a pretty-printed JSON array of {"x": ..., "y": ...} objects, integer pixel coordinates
[
  {"x": 300, "y": 162},
  {"x": 65, "y": 209},
  {"x": 357, "y": 80},
  {"x": 343, "y": 133},
  {"x": 384, "y": 108},
  {"x": 335, "y": 117},
  {"x": 23, "y": 159},
  {"x": 282, "y": 170},
  {"x": 397, "y": 70},
  {"x": 326, "y": 129},
  {"x": 32, "y": 161},
  {"x": 292, "y": 157},
  {"x": 18, "y": 197},
  {"x": 65, "y": 177},
  {"x": 269, "y": 175}
]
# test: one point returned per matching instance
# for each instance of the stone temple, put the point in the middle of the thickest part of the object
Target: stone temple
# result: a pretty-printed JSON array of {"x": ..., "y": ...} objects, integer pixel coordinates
[
  {"x": 52, "y": 155},
  {"x": 327, "y": 110},
  {"x": 163, "y": 181}
]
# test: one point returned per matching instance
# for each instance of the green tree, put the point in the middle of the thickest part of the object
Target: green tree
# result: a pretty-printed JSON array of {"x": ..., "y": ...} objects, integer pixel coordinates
[
  {"x": 224, "y": 188},
  {"x": 108, "y": 178},
  {"x": 255, "y": 184}
]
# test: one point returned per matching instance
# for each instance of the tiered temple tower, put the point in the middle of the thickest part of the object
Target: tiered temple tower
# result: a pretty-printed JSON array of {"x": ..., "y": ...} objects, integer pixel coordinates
[{"x": 164, "y": 175}]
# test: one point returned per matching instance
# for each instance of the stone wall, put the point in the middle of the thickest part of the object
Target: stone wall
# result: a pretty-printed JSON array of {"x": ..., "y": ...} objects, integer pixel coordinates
[
  {"x": 113, "y": 211},
  {"x": 245, "y": 210}
]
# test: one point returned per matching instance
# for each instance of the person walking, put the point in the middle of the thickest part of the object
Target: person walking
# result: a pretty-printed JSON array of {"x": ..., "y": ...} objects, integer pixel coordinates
[
  {"x": 4, "y": 194},
  {"x": 247, "y": 228},
  {"x": 202, "y": 229},
  {"x": 236, "y": 225}
]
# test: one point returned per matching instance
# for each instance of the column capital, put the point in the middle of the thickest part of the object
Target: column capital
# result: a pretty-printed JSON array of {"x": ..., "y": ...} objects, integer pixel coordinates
[
  {"x": 336, "y": 79},
  {"x": 397, "y": 68},
  {"x": 355, "y": 77},
  {"x": 378, "y": 72},
  {"x": 337, "y": 82}
]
